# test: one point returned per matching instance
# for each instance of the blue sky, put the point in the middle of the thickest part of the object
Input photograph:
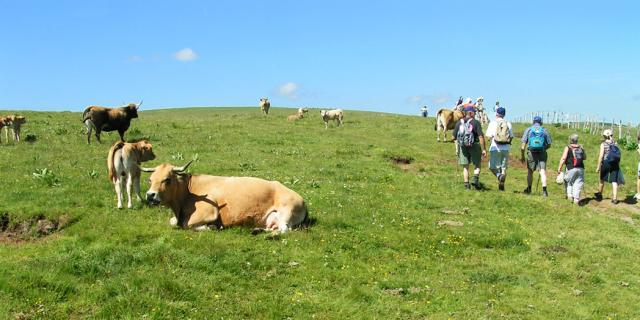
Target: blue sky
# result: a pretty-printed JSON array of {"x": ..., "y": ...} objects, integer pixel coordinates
[{"x": 392, "y": 56}]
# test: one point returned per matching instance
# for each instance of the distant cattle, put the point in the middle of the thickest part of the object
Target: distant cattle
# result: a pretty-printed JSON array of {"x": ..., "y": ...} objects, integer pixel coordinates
[
  {"x": 294, "y": 117},
  {"x": 123, "y": 164},
  {"x": 109, "y": 119},
  {"x": 265, "y": 105},
  {"x": 201, "y": 201},
  {"x": 446, "y": 120},
  {"x": 14, "y": 123},
  {"x": 336, "y": 114}
]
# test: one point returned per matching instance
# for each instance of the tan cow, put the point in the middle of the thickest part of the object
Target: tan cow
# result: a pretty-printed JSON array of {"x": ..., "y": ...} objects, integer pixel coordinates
[
  {"x": 336, "y": 114},
  {"x": 123, "y": 163},
  {"x": 446, "y": 120},
  {"x": 200, "y": 201},
  {"x": 265, "y": 105},
  {"x": 14, "y": 122},
  {"x": 294, "y": 117}
]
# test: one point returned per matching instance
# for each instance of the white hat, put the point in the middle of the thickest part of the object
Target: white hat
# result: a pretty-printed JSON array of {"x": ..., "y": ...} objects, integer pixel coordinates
[
  {"x": 467, "y": 100},
  {"x": 607, "y": 133}
]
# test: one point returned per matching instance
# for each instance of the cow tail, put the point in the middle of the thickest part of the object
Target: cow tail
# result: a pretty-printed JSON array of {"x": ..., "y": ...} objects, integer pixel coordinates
[
  {"x": 435, "y": 126},
  {"x": 110, "y": 159},
  {"x": 85, "y": 115}
]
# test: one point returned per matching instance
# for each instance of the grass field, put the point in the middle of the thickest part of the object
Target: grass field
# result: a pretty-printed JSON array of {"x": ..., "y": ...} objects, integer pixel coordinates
[{"x": 376, "y": 249}]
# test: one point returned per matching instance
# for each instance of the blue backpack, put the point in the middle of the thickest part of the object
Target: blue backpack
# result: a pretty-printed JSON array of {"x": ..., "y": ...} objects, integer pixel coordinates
[
  {"x": 536, "y": 139},
  {"x": 614, "y": 154}
]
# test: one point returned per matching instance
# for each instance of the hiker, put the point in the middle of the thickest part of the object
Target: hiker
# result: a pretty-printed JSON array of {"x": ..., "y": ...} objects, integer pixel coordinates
[
  {"x": 637, "y": 196},
  {"x": 470, "y": 146},
  {"x": 536, "y": 140},
  {"x": 573, "y": 158},
  {"x": 500, "y": 132},
  {"x": 424, "y": 111},
  {"x": 458, "y": 104},
  {"x": 609, "y": 166}
]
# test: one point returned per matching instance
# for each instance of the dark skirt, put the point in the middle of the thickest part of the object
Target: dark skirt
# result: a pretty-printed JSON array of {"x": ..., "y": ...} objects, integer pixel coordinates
[{"x": 610, "y": 172}]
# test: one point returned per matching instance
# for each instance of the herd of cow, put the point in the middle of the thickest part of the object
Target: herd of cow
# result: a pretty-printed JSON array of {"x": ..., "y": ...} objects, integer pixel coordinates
[{"x": 198, "y": 201}]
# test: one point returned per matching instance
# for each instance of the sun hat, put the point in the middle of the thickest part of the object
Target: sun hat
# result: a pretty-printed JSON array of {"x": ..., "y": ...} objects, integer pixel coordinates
[
  {"x": 607, "y": 133},
  {"x": 469, "y": 109},
  {"x": 560, "y": 178},
  {"x": 501, "y": 111},
  {"x": 467, "y": 100}
]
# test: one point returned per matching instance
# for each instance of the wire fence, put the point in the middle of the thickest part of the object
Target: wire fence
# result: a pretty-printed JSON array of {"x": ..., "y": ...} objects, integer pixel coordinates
[{"x": 587, "y": 124}]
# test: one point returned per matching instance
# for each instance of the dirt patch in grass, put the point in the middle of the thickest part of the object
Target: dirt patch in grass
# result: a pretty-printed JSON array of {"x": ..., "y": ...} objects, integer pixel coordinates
[
  {"x": 403, "y": 162},
  {"x": 554, "y": 249},
  {"x": 30, "y": 230}
]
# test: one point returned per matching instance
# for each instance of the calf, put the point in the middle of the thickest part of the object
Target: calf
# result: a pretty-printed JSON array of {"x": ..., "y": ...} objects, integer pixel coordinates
[
  {"x": 336, "y": 115},
  {"x": 265, "y": 105},
  {"x": 200, "y": 201},
  {"x": 123, "y": 163},
  {"x": 109, "y": 119},
  {"x": 14, "y": 122}
]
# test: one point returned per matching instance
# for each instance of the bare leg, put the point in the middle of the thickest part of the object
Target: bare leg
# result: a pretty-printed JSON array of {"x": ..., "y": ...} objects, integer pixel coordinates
[
  {"x": 543, "y": 177},
  {"x": 465, "y": 173},
  {"x": 529, "y": 178},
  {"x": 614, "y": 188}
]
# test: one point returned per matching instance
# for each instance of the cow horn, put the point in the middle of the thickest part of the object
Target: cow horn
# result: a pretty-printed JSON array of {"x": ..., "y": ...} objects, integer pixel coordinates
[
  {"x": 143, "y": 169},
  {"x": 139, "y": 103},
  {"x": 183, "y": 168}
]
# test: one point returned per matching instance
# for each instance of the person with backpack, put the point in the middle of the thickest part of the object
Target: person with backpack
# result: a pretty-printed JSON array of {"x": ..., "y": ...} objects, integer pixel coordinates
[
  {"x": 609, "y": 166},
  {"x": 470, "y": 146},
  {"x": 500, "y": 132},
  {"x": 573, "y": 158},
  {"x": 536, "y": 140}
]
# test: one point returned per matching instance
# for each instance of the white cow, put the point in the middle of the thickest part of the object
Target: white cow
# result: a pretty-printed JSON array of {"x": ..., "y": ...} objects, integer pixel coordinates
[{"x": 336, "y": 114}]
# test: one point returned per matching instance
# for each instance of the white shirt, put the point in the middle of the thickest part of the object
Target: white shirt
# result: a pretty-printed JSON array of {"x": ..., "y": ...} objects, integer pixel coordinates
[{"x": 491, "y": 132}]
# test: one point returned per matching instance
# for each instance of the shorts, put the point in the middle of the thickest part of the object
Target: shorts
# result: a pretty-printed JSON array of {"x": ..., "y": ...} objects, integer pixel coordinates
[
  {"x": 470, "y": 155},
  {"x": 610, "y": 172},
  {"x": 537, "y": 160},
  {"x": 498, "y": 159}
]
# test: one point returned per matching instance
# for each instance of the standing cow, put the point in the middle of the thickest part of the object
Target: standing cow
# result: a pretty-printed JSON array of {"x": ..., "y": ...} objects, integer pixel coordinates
[
  {"x": 265, "y": 105},
  {"x": 336, "y": 114},
  {"x": 109, "y": 119},
  {"x": 123, "y": 164},
  {"x": 446, "y": 120},
  {"x": 14, "y": 123}
]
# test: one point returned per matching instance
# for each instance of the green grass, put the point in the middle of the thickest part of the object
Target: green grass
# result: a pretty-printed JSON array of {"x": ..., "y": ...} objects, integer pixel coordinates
[{"x": 375, "y": 250}]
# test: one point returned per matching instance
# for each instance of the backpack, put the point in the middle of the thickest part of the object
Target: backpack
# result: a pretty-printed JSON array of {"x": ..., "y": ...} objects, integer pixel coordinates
[
  {"x": 614, "y": 154},
  {"x": 465, "y": 134},
  {"x": 502, "y": 133},
  {"x": 536, "y": 139},
  {"x": 578, "y": 156}
]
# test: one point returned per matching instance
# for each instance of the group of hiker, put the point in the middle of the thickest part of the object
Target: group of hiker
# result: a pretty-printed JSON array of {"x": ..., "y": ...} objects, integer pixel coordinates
[{"x": 471, "y": 149}]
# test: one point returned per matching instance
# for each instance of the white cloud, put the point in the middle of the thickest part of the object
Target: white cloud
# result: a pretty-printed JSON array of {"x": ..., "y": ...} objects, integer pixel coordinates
[
  {"x": 289, "y": 90},
  {"x": 415, "y": 99},
  {"x": 439, "y": 98},
  {"x": 135, "y": 59},
  {"x": 185, "y": 55}
]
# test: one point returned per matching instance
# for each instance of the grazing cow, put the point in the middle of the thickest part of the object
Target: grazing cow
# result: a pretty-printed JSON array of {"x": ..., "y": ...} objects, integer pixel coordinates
[
  {"x": 123, "y": 163},
  {"x": 302, "y": 111},
  {"x": 336, "y": 114},
  {"x": 3, "y": 123},
  {"x": 14, "y": 122},
  {"x": 265, "y": 105},
  {"x": 200, "y": 201},
  {"x": 446, "y": 120},
  {"x": 109, "y": 119}
]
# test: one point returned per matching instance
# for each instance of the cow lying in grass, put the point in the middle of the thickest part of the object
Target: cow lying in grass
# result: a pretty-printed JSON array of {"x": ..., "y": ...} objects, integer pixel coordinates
[
  {"x": 336, "y": 115},
  {"x": 201, "y": 201},
  {"x": 123, "y": 163},
  {"x": 299, "y": 114},
  {"x": 109, "y": 119}
]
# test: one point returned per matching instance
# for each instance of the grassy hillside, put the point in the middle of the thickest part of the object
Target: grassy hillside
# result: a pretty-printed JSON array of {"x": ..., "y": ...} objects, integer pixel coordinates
[{"x": 375, "y": 251}]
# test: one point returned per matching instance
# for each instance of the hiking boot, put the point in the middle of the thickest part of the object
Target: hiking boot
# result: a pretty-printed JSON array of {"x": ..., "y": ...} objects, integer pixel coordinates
[
  {"x": 527, "y": 191},
  {"x": 501, "y": 186},
  {"x": 467, "y": 186},
  {"x": 597, "y": 196},
  {"x": 545, "y": 193},
  {"x": 614, "y": 201},
  {"x": 501, "y": 180},
  {"x": 475, "y": 183}
]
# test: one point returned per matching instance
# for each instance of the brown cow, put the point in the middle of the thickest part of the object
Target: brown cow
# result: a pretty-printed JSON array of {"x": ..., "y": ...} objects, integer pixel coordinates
[
  {"x": 265, "y": 105},
  {"x": 446, "y": 120},
  {"x": 14, "y": 122},
  {"x": 200, "y": 201},
  {"x": 123, "y": 164},
  {"x": 109, "y": 119}
]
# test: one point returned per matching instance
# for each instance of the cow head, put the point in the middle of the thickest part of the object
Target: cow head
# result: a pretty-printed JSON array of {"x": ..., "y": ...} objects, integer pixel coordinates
[
  {"x": 146, "y": 151},
  {"x": 323, "y": 112},
  {"x": 164, "y": 183},
  {"x": 132, "y": 110}
]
